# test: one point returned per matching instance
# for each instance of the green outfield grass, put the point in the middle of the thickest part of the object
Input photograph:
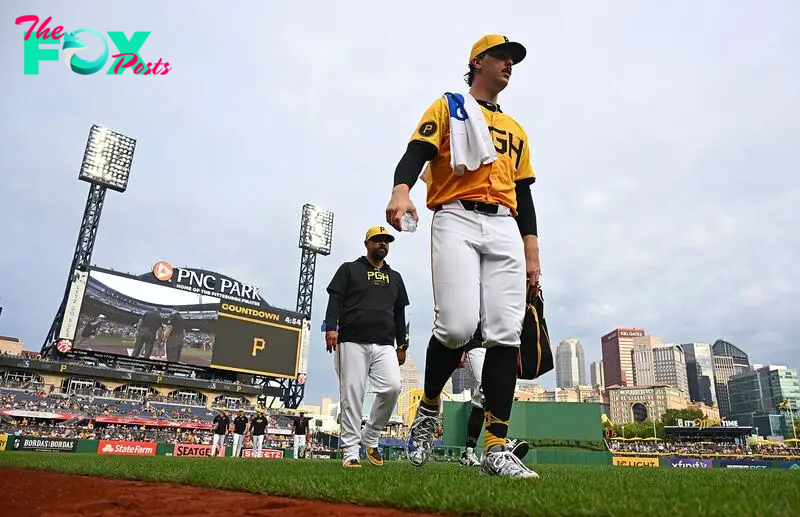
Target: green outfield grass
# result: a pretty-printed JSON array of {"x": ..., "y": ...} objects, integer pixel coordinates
[{"x": 449, "y": 488}]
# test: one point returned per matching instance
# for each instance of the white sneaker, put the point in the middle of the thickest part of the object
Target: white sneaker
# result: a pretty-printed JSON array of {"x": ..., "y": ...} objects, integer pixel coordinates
[
  {"x": 469, "y": 458},
  {"x": 499, "y": 461}
]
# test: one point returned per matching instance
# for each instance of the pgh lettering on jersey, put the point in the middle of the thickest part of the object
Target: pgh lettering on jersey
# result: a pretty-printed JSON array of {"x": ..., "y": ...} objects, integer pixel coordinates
[
  {"x": 492, "y": 183},
  {"x": 373, "y": 300}
]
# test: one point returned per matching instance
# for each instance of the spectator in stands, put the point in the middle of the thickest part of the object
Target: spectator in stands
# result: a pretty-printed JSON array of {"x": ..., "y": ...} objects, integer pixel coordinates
[
  {"x": 146, "y": 331},
  {"x": 221, "y": 422}
]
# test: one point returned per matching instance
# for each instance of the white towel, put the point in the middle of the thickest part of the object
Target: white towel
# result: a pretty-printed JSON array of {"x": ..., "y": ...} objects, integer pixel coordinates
[{"x": 471, "y": 144}]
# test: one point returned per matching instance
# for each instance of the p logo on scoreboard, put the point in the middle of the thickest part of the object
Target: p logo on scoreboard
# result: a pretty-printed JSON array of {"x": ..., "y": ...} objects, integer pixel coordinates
[
  {"x": 163, "y": 271},
  {"x": 259, "y": 344}
]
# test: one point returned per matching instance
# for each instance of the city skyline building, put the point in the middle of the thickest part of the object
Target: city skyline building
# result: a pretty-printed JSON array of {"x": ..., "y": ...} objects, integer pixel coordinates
[
  {"x": 462, "y": 380},
  {"x": 643, "y": 366},
  {"x": 617, "y": 350},
  {"x": 728, "y": 360},
  {"x": 757, "y": 398},
  {"x": 570, "y": 364},
  {"x": 596, "y": 375},
  {"x": 669, "y": 365},
  {"x": 700, "y": 373}
]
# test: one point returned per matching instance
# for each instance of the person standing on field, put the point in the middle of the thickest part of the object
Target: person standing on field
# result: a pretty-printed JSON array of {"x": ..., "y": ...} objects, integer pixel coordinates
[
  {"x": 484, "y": 244},
  {"x": 240, "y": 428},
  {"x": 300, "y": 427},
  {"x": 258, "y": 426},
  {"x": 221, "y": 424},
  {"x": 364, "y": 319}
]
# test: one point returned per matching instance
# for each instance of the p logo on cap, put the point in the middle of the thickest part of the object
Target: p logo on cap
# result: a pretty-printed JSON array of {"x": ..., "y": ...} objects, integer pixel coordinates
[{"x": 379, "y": 230}]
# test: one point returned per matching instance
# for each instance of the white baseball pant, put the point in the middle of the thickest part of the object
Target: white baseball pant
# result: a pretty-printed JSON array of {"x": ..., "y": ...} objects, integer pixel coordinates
[
  {"x": 478, "y": 270},
  {"x": 238, "y": 442},
  {"x": 218, "y": 445},
  {"x": 258, "y": 443},
  {"x": 299, "y": 441},
  {"x": 474, "y": 362},
  {"x": 356, "y": 364}
]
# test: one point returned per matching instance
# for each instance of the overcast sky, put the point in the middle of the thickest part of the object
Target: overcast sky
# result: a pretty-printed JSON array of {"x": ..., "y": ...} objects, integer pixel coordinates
[{"x": 664, "y": 137}]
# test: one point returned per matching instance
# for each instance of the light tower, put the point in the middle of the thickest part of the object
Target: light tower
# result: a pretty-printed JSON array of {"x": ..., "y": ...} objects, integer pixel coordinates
[
  {"x": 316, "y": 236},
  {"x": 107, "y": 162}
]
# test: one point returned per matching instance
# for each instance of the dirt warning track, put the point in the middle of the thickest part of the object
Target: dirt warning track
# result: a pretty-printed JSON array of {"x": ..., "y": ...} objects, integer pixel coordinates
[{"x": 29, "y": 493}]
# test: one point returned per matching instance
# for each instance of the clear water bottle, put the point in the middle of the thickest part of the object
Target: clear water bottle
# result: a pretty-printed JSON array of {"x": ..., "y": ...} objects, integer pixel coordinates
[{"x": 407, "y": 223}]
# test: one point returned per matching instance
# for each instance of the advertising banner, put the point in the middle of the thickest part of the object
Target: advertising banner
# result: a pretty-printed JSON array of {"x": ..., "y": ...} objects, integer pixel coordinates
[
  {"x": 744, "y": 464},
  {"x": 3, "y": 441},
  {"x": 794, "y": 465},
  {"x": 192, "y": 450},
  {"x": 690, "y": 463},
  {"x": 265, "y": 453},
  {"x": 151, "y": 422},
  {"x": 322, "y": 455},
  {"x": 126, "y": 448},
  {"x": 19, "y": 413},
  {"x": 633, "y": 461},
  {"x": 29, "y": 443},
  {"x": 305, "y": 346},
  {"x": 69, "y": 325}
]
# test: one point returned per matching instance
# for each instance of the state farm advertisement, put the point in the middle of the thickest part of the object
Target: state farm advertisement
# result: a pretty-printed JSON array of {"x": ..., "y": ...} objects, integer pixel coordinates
[
  {"x": 265, "y": 453},
  {"x": 191, "y": 450},
  {"x": 126, "y": 448}
]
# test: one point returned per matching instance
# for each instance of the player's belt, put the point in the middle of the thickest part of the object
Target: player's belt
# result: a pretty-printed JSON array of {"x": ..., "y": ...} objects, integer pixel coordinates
[{"x": 476, "y": 206}]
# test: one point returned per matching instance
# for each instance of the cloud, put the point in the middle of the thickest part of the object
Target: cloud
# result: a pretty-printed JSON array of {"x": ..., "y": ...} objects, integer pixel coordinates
[{"x": 663, "y": 141}]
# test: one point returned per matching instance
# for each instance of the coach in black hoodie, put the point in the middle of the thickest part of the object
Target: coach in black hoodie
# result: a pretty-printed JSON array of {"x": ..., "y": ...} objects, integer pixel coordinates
[{"x": 364, "y": 319}]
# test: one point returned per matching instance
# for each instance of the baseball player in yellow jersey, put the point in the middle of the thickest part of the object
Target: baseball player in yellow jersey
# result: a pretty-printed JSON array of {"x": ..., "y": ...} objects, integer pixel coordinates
[{"x": 484, "y": 245}]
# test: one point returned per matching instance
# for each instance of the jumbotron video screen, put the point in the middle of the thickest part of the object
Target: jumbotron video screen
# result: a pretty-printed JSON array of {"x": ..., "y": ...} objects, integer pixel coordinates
[{"x": 189, "y": 316}]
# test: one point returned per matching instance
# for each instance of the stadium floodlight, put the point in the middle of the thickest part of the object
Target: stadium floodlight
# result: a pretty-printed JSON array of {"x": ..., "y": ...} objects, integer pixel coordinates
[
  {"x": 316, "y": 229},
  {"x": 108, "y": 158}
]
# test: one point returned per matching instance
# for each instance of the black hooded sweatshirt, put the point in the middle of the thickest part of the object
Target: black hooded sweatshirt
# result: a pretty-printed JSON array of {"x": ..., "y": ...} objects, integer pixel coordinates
[{"x": 367, "y": 304}]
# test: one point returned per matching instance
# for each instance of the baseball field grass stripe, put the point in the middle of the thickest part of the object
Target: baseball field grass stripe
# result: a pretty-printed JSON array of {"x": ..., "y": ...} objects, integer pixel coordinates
[{"x": 449, "y": 488}]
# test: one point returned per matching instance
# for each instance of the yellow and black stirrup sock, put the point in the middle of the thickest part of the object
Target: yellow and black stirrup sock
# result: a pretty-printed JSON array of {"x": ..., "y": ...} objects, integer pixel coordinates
[
  {"x": 499, "y": 379},
  {"x": 494, "y": 425}
]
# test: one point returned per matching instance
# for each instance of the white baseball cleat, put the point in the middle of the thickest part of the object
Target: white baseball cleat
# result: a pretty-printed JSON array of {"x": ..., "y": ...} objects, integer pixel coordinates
[
  {"x": 499, "y": 461},
  {"x": 519, "y": 448},
  {"x": 419, "y": 445}
]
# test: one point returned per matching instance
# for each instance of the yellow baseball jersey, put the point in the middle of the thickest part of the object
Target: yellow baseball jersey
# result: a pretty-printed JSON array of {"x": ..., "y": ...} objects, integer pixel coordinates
[{"x": 492, "y": 183}]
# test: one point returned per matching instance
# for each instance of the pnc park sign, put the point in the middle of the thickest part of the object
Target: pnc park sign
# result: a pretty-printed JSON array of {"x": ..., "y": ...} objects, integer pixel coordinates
[{"x": 206, "y": 283}]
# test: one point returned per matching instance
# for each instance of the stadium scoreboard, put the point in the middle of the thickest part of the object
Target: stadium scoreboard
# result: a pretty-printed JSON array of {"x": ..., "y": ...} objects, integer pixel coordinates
[
  {"x": 257, "y": 340},
  {"x": 185, "y": 316}
]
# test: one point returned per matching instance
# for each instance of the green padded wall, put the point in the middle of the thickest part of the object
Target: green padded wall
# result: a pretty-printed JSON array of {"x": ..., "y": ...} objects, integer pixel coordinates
[{"x": 532, "y": 421}]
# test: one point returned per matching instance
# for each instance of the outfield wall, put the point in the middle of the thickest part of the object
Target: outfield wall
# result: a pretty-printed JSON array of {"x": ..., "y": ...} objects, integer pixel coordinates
[
  {"x": 11, "y": 443},
  {"x": 542, "y": 424},
  {"x": 535, "y": 456}
]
